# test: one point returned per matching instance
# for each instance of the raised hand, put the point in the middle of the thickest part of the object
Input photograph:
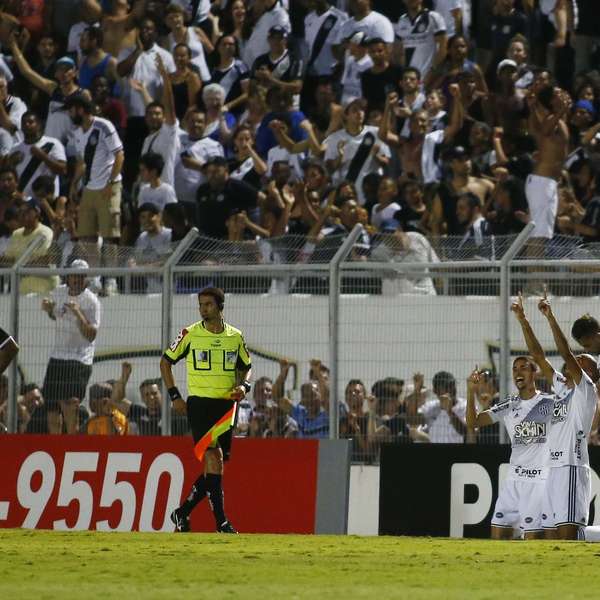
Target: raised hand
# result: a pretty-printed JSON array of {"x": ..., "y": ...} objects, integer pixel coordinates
[
  {"x": 517, "y": 307},
  {"x": 544, "y": 304}
]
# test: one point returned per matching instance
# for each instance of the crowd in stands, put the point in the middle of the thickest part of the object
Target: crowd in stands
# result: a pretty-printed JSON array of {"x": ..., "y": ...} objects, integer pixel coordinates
[{"x": 128, "y": 122}]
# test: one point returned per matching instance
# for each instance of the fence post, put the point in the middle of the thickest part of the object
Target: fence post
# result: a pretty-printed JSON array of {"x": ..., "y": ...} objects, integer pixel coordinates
[
  {"x": 166, "y": 316},
  {"x": 504, "y": 365},
  {"x": 334, "y": 312},
  {"x": 13, "y": 391}
]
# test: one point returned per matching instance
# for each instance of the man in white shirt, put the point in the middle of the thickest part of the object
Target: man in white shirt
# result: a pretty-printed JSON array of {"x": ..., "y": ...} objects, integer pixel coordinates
[
  {"x": 195, "y": 152},
  {"x": 37, "y": 155},
  {"x": 421, "y": 39},
  {"x": 445, "y": 414},
  {"x": 452, "y": 13},
  {"x": 272, "y": 14},
  {"x": 99, "y": 162},
  {"x": 372, "y": 23},
  {"x": 355, "y": 150},
  {"x": 76, "y": 313}
]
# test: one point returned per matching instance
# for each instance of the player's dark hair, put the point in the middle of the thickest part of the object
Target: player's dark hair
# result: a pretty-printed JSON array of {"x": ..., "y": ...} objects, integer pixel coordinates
[
  {"x": 155, "y": 104},
  {"x": 529, "y": 360},
  {"x": 44, "y": 184},
  {"x": 444, "y": 382},
  {"x": 153, "y": 162},
  {"x": 216, "y": 293},
  {"x": 584, "y": 326}
]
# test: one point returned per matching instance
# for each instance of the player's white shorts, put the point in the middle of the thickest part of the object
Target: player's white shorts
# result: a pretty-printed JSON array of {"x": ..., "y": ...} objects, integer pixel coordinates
[
  {"x": 519, "y": 505},
  {"x": 542, "y": 199},
  {"x": 567, "y": 496}
]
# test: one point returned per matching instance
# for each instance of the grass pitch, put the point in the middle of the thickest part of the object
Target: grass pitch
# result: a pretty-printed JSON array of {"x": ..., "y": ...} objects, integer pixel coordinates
[{"x": 46, "y": 564}]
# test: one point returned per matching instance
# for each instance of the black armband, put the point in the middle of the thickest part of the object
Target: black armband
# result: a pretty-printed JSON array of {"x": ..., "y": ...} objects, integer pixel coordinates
[
  {"x": 246, "y": 385},
  {"x": 174, "y": 394}
]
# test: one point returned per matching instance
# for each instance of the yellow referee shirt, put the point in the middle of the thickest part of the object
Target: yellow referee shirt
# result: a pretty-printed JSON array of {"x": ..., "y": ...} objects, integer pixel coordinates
[{"x": 211, "y": 358}]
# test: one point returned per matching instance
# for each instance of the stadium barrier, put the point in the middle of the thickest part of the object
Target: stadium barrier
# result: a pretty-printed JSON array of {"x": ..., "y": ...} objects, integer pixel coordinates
[
  {"x": 393, "y": 313},
  {"x": 448, "y": 489},
  {"x": 133, "y": 483}
]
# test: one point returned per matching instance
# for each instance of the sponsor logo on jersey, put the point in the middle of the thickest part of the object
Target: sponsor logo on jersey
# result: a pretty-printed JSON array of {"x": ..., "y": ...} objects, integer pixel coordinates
[
  {"x": 525, "y": 472},
  {"x": 580, "y": 440},
  {"x": 528, "y": 519},
  {"x": 499, "y": 515},
  {"x": 560, "y": 412},
  {"x": 528, "y": 432},
  {"x": 556, "y": 455},
  {"x": 177, "y": 340}
]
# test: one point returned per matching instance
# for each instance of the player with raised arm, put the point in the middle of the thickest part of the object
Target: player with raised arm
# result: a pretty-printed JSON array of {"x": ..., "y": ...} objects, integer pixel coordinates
[
  {"x": 218, "y": 369},
  {"x": 567, "y": 496},
  {"x": 526, "y": 418},
  {"x": 568, "y": 488}
]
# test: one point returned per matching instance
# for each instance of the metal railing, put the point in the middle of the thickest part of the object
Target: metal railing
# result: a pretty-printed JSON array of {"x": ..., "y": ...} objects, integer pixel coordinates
[{"x": 349, "y": 310}]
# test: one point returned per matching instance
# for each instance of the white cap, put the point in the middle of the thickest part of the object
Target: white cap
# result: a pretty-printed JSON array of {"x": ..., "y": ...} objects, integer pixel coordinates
[
  {"x": 79, "y": 263},
  {"x": 507, "y": 62},
  {"x": 357, "y": 37}
]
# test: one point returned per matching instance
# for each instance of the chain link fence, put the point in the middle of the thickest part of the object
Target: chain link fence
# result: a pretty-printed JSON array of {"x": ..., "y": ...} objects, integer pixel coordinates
[{"x": 367, "y": 337}]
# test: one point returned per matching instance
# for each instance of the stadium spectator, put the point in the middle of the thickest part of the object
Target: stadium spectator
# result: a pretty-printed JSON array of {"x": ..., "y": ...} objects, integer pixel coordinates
[
  {"x": 219, "y": 124},
  {"x": 43, "y": 191},
  {"x": 381, "y": 78},
  {"x": 153, "y": 189},
  {"x": 96, "y": 62},
  {"x": 444, "y": 415},
  {"x": 107, "y": 106},
  {"x": 75, "y": 309},
  {"x": 106, "y": 419},
  {"x": 310, "y": 416},
  {"x": 368, "y": 21},
  {"x": 29, "y": 216},
  {"x": 184, "y": 81}
]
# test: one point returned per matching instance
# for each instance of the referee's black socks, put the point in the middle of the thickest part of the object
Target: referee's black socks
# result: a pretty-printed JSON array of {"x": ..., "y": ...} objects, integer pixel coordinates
[
  {"x": 197, "y": 494},
  {"x": 215, "y": 495}
]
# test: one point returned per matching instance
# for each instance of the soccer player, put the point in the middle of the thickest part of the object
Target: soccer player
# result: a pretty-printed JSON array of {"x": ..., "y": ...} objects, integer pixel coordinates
[
  {"x": 586, "y": 331},
  {"x": 568, "y": 487},
  {"x": 8, "y": 350},
  {"x": 218, "y": 369},
  {"x": 526, "y": 419}
]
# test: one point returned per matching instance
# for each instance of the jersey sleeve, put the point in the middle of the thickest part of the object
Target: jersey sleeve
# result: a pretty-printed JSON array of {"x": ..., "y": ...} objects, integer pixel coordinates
[
  {"x": 587, "y": 390},
  {"x": 113, "y": 141},
  {"x": 499, "y": 411},
  {"x": 244, "y": 361},
  {"x": 179, "y": 347},
  {"x": 439, "y": 25}
]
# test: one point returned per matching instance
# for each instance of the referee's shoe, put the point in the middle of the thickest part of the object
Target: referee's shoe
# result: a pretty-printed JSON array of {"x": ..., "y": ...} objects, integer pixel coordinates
[
  {"x": 182, "y": 522},
  {"x": 226, "y": 527}
]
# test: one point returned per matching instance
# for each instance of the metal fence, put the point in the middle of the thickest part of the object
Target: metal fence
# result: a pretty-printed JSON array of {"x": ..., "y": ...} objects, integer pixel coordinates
[{"x": 346, "y": 333}]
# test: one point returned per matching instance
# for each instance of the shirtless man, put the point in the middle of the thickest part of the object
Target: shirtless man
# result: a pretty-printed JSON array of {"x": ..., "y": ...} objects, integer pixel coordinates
[{"x": 549, "y": 108}]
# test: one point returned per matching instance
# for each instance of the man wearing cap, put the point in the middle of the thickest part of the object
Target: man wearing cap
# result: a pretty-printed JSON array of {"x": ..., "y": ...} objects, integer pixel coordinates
[
  {"x": 278, "y": 67},
  {"x": 37, "y": 155},
  {"x": 271, "y": 13},
  {"x": 356, "y": 150},
  {"x": 195, "y": 150},
  {"x": 582, "y": 118},
  {"x": 507, "y": 101},
  {"x": 58, "y": 124},
  {"x": 76, "y": 313},
  {"x": 29, "y": 216},
  {"x": 221, "y": 196}
]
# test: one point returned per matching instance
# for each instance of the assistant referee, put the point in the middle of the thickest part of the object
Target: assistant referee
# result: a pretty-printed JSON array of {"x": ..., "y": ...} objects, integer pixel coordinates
[{"x": 218, "y": 370}]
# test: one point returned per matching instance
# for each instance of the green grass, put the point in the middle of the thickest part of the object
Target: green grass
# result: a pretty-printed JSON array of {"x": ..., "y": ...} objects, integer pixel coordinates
[{"x": 46, "y": 564}]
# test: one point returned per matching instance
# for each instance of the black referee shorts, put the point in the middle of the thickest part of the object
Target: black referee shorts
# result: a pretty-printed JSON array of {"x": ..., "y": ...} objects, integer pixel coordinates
[
  {"x": 65, "y": 379},
  {"x": 203, "y": 414}
]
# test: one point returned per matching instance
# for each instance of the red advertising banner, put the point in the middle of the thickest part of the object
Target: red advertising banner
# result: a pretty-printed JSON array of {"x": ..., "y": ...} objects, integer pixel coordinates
[{"x": 133, "y": 483}]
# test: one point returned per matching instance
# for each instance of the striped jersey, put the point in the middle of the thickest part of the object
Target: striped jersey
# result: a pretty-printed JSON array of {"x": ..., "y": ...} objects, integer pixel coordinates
[
  {"x": 572, "y": 418},
  {"x": 212, "y": 359},
  {"x": 528, "y": 425}
]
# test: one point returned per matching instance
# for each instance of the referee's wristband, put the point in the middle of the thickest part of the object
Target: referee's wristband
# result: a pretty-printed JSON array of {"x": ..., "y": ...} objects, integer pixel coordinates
[
  {"x": 246, "y": 385},
  {"x": 174, "y": 394}
]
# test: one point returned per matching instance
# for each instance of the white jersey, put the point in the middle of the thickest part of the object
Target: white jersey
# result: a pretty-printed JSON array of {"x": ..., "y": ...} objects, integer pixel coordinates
[
  {"x": 418, "y": 38},
  {"x": 322, "y": 32},
  {"x": 439, "y": 425},
  {"x": 361, "y": 147},
  {"x": 572, "y": 418},
  {"x": 69, "y": 343},
  {"x": 159, "y": 196},
  {"x": 97, "y": 148},
  {"x": 528, "y": 425},
  {"x": 187, "y": 180},
  {"x": 374, "y": 25},
  {"x": 353, "y": 69},
  {"x": 30, "y": 168},
  {"x": 165, "y": 142},
  {"x": 15, "y": 109},
  {"x": 431, "y": 169},
  {"x": 445, "y": 8}
]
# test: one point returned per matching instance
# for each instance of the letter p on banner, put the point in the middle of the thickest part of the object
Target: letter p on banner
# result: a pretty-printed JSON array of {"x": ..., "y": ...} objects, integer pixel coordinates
[{"x": 462, "y": 513}]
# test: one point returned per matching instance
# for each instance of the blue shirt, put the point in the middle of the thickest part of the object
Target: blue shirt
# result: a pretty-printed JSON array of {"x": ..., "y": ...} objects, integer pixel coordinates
[
  {"x": 317, "y": 427},
  {"x": 265, "y": 139}
]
